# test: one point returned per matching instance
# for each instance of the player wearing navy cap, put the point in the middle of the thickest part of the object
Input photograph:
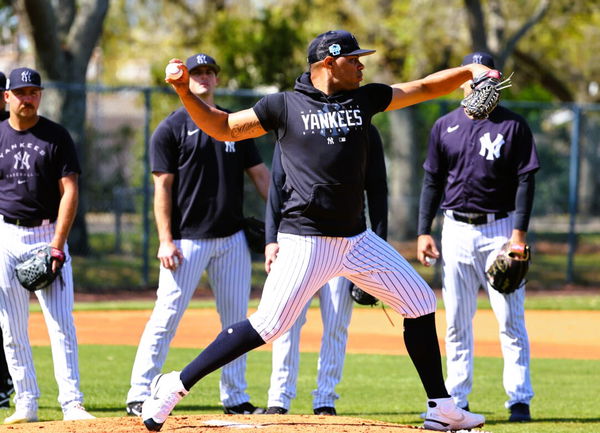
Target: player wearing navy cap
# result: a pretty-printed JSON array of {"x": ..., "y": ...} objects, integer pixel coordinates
[
  {"x": 6, "y": 385},
  {"x": 335, "y": 301},
  {"x": 198, "y": 200},
  {"x": 38, "y": 201},
  {"x": 322, "y": 127},
  {"x": 482, "y": 173},
  {"x": 202, "y": 59}
]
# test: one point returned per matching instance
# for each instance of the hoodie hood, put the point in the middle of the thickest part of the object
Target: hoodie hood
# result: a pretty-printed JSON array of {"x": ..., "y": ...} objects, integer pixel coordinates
[{"x": 304, "y": 85}]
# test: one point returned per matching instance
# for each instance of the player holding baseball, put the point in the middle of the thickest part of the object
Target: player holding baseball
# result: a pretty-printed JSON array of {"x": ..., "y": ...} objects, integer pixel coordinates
[
  {"x": 335, "y": 301},
  {"x": 484, "y": 170},
  {"x": 38, "y": 202},
  {"x": 322, "y": 127},
  {"x": 198, "y": 197}
]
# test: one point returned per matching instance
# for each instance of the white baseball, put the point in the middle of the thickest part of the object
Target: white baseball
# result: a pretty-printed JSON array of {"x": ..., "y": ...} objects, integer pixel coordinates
[
  {"x": 172, "y": 71},
  {"x": 431, "y": 260}
]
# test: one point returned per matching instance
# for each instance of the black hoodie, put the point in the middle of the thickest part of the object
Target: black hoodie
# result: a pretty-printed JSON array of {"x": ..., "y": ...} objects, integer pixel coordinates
[{"x": 324, "y": 143}]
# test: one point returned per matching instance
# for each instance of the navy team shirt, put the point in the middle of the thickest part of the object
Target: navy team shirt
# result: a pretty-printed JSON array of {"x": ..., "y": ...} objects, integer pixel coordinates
[
  {"x": 375, "y": 187},
  {"x": 31, "y": 163},
  {"x": 208, "y": 189},
  {"x": 324, "y": 147},
  {"x": 481, "y": 159}
]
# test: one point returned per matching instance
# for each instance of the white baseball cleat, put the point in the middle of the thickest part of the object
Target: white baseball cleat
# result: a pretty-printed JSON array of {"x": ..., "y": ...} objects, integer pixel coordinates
[
  {"x": 444, "y": 415},
  {"x": 75, "y": 411},
  {"x": 166, "y": 390},
  {"x": 22, "y": 416}
]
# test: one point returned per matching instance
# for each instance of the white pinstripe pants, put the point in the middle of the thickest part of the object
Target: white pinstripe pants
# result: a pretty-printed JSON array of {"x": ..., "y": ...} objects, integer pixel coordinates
[
  {"x": 56, "y": 301},
  {"x": 336, "y": 312},
  {"x": 228, "y": 265},
  {"x": 305, "y": 263},
  {"x": 467, "y": 251}
]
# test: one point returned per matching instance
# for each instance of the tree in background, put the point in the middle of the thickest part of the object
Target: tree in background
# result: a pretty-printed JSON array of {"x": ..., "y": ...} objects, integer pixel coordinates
[
  {"x": 64, "y": 34},
  {"x": 255, "y": 46}
]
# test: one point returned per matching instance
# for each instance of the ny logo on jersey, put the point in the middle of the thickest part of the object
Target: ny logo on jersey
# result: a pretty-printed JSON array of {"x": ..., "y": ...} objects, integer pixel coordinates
[
  {"x": 26, "y": 77},
  {"x": 21, "y": 161},
  {"x": 230, "y": 146},
  {"x": 491, "y": 147},
  {"x": 329, "y": 140}
]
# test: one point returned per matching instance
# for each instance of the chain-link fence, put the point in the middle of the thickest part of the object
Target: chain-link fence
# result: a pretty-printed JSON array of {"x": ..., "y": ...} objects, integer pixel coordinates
[{"x": 116, "y": 185}]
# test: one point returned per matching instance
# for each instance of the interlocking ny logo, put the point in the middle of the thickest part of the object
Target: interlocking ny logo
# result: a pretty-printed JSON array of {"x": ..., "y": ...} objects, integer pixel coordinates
[
  {"x": 230, "y": 146},
  {"x": 491, "y": 147},
  {"x": 335, "y": 49},
  {"x": 26, "y": 77},
  {"x": 21, "y": 161},
  {"x": 477, "y": 58},
  {"x": 201, "y": 59}
]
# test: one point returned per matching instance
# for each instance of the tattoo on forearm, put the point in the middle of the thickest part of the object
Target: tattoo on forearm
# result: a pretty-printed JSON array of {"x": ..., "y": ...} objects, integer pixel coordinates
[{"x": 245, "y": 128}]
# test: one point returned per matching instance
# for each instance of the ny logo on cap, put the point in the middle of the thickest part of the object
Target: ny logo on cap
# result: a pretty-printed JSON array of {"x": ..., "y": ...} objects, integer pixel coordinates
[
  {"x": 335, "y": 49},
  {"x": 201, "y": 59},
  {"x": 26, "y": 77},
  {"x": 477, "y": 58}
]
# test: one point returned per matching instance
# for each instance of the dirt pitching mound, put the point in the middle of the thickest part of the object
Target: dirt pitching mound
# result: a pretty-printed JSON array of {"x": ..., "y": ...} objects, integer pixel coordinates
[{"x": 220, "y": 423}]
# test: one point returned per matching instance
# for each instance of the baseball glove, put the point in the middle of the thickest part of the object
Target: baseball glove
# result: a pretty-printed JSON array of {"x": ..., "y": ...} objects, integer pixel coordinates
[
  {"x": 35, "y": 273},
  {"x": 507, "y": 272},
  {"x": 486, "y": 94},
  {"x": 254, "y": 229},
  {"x": 361, "y": 297}
]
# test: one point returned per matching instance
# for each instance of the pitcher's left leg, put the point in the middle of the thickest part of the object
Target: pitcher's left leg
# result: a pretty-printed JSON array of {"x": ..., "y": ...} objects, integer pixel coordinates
[
  {"x": 376, "y": 267},
  {"x": 380, "y": 270}
]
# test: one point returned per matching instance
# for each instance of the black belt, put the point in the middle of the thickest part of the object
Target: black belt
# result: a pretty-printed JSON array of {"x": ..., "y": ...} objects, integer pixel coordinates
[
  {"x": 26, "y": 223},
  {"x": 479, "y": 219}
]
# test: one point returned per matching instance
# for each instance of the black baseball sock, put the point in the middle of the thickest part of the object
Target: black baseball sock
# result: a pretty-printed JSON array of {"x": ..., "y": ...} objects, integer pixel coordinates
[
  {"x": 5, "y": 379},
  {"x": 422, "y": 345},
  {"x": 231, "y": 343}
]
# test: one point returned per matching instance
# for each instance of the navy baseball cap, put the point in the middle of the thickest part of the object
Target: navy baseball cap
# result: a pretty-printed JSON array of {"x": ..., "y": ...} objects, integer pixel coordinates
[
  {"x": 23, "y": 77},
  {"x": 2, "y": 81},
  {"x": 201, "y": 59},
  {"x": 336, "y": 43},
  {"x": 480, "y": 57}
]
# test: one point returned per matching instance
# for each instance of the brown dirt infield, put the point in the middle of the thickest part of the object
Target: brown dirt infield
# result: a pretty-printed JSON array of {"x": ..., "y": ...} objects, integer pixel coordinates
[
  {"x": 220, "y": 423},
  {"x": 553, "y": 334}
]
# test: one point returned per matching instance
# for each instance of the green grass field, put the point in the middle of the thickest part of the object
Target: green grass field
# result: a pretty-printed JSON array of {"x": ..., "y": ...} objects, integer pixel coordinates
[
  {"x": 559, "y": 301},
  {"x": 105, "y": 270},
  {"x": 374, "y": 387},
  {"x": 377, "y": 387}
]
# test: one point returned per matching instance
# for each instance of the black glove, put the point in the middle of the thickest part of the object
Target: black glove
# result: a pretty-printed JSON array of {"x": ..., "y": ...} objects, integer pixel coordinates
[
  {"x": 485, "y": 95},
  {"x": 254, "y": 229},
  {"x": 361, "y": 297},
  {"x": 35, "y": 273},
  {"x": 507, "y": 272}
]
